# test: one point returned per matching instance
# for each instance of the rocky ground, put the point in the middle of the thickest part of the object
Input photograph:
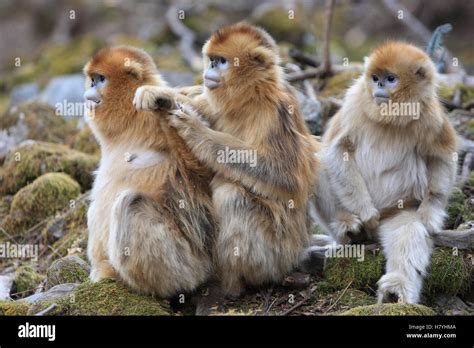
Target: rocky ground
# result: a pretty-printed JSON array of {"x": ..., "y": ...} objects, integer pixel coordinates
[{"x": 46, "y": 164}]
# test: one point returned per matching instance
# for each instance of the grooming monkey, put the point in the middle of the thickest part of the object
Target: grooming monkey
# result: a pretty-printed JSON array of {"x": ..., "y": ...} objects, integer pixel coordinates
[
  {"x": 389, "y": 160},
  {"x": 261, "y": 206},
  {"x": 150, "y": 220}
]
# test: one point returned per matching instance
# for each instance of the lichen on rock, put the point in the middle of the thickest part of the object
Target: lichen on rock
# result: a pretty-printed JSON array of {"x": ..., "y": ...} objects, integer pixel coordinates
[
  {"x": 45, "y": 196},
  {"x": 14, "y": 308},
  {"x": 30, "y": 160},
  {"x": 352, "y": 272},
  {"x": 107, "y": 297},
  {"x": 27, "y": 279},
  {"x": 69, "y": 269}
]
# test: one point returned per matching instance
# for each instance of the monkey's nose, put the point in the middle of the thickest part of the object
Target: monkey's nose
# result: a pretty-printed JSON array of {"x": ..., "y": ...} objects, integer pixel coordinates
[{"x": 91, "y": 95}]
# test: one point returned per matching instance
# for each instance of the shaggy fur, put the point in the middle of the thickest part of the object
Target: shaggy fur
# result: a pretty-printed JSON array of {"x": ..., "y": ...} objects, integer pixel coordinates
[
  {"x": 395, "y": 169},
  {"x": 150, "y": 220},
  {"x": 262, "y": 210}
]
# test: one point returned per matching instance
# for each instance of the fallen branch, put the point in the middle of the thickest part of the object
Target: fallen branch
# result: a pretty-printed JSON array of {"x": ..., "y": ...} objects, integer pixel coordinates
[
  {"x": 466, "y": 169},
  {"x": 299, "y": 304},
  {"x": 186, "y": 35},
  {"x": 47, "y": 310},
  {"x": 455, "y": 239},
  {"x": 303, "y": 58}
]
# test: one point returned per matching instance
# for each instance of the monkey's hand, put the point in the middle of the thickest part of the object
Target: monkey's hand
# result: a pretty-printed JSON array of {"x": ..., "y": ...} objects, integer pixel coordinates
[
  {"x": 187, "y": 121},
  {"x": 151, "y": 98},
  {"x": 370, "y": 218}
]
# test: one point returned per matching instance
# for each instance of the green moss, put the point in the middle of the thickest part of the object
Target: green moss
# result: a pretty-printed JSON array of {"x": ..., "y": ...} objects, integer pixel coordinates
[
  {"x": 337, "y": 85},
  {"x": 390, "y": 309},
  {"x": 45, "y": 196},
  {"x": 86, "y": 142},
  {"x": 27, "y": 162},
  {"x": 449, "y": 273},
  {"x": 71, "y": 57},
  {"x": 340, "y": 272},
  {"x": 41, "y": 122},
  {"x": 342, "y": 300},
  {"x": 447, "y": 92},
  {"x": 70, "y": 269},
  {"x": 14, "y": 308},
  {"x": 51, "y": 60},
  {"x": 27, "y": 279},
  {"x": 455, "y": 208},
  {"x": 107, "y": 297},
  {"x": 467, "y": 128},
  {"x": 72, "y": 229}
]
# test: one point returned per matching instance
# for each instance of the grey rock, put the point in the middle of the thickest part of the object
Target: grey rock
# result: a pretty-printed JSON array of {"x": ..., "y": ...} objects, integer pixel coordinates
[
  {"x": 64, "y": 90},
  {"x": 69, "y": 269},
  {"x": 312, "y": 113},
  {"x": 23, "y": 93},
  {"x": 54, "y": 293}
]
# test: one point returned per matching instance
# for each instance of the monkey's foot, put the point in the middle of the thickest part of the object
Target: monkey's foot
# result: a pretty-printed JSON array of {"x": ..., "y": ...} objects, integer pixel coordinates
[
  {"x": 395, "y": 287},
  {"x": 370, "y": 218},
  {"x": 343, "y": 225},
  {"x": 150, "y": 98},
  {"x": 103, "y": 271}
]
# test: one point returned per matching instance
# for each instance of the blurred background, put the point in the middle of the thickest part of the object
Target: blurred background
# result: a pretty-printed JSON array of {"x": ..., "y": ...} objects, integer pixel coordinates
[{"x": 48, "y": 154}]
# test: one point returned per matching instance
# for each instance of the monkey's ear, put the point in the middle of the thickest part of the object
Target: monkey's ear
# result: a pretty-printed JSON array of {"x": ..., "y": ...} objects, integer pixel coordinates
[
  {"x": 134, "y": 68},
  {"x": 420, "y": 72},
  {"x": 261, "y": 56}
]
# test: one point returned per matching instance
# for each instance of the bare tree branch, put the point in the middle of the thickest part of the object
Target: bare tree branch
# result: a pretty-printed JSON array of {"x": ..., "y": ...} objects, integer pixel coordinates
[{"x": 186, "y": 35}]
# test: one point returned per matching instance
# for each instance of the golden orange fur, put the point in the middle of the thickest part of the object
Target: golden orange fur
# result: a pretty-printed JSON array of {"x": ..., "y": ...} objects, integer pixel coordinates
[
  {"x": 392, "y": 173},
  {"x": 262, "y": 209},
  {"x": 150, "y": 220}
]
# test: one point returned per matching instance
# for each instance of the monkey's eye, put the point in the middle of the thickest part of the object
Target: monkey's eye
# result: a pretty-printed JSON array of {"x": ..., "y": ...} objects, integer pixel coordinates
[
  {"x": 375, "y": 78},
  {"x": 101, "y": 78},
  {"x": 391, "y": 78},
  {"x": 222, "y": 60}
]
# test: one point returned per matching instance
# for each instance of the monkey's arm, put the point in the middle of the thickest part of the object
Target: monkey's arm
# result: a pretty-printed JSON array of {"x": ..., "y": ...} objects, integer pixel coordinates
[
  {"x": 213, "y": 148},
  {"x": 441, "y": 168},
  {"x": 152, "y": 98},
  {"x": 347, "y": 181}
]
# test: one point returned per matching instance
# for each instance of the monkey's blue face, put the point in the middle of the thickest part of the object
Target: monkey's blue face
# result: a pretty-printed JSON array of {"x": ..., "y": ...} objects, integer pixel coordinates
[
  {"x": 93, "y": 95},
  {"x": 214, "y": 74},
  {"x": 383, "y": 85}
]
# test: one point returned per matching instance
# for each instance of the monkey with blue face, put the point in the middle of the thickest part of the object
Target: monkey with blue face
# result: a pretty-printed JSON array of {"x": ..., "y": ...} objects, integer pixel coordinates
[
  {"x": 248, "y": 108},
  {"x": 151, "y": 222}
]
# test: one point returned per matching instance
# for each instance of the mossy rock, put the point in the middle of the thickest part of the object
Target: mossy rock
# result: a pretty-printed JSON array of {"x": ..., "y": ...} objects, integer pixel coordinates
[
  {"x": 14, "y": 307},
  {"x": 343, "y": 272},
  {"x": 449, "y": 273},
  {"x": 27, "y": 279},
  {"x": 28, "y": 161},
  {"x": 69, "y": 269},
  {"x": 67, "y": 233},
  {"x": 5, "y": 203},
  {"x": 107, "y": 297},
  {"x": 455, "y": 209},
  {"x": 41, "y": 122},
  {"x": 86, "y": 142},
  {"x": 337, "y": 85},
  {"x": 390, "y": 309},
  {"x": 45, "y": 196}
]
